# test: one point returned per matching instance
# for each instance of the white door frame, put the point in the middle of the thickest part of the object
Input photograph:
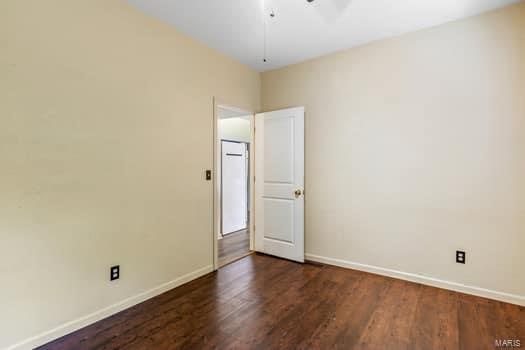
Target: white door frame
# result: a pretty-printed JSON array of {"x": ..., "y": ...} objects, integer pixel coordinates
[{"x": 216, "y": 217}]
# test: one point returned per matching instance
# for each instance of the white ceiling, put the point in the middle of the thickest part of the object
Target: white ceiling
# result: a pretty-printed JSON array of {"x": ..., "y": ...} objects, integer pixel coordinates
[{"x": 302, "y": 30}]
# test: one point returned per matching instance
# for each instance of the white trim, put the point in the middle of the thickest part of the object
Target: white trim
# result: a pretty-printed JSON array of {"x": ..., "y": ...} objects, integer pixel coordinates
[
  {"x": 429, "y": 281},
  {"x": 69, "y": 327},
  {"x": 216, "y": 191},
  {"x": 251, "y": 171}
]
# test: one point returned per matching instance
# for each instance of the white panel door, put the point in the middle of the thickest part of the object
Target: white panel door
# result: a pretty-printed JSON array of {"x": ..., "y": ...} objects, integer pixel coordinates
[
  {"x": 234, "y": 187},
  {"x": 279, "y": 183}
]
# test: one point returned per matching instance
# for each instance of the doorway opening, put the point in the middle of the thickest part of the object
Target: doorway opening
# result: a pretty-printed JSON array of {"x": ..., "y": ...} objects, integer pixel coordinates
[{"x": 233, "y": 185}]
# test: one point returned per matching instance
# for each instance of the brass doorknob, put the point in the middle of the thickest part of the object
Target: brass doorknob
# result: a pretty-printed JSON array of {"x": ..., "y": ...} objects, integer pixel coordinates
[{"x": 297, "y": 193}]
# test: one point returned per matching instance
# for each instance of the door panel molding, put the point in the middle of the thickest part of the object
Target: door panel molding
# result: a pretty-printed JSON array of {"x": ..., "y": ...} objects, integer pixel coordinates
[{"x": 279, "y": 173}]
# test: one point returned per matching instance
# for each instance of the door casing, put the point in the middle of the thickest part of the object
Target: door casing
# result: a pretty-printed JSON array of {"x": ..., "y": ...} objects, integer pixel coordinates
[{"x": 216, "y": 195}]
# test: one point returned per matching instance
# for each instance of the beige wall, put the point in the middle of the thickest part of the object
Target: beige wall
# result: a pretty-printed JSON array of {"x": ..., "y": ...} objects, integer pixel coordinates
[
  {"x": 415, "y": 147},
  {"x": 105, "y": 133},
  {"x": 235, "y": 129}
]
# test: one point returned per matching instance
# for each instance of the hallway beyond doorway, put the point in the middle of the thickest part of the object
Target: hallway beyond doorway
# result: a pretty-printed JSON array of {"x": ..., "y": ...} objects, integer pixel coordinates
[{"x": 234, "y": 246}]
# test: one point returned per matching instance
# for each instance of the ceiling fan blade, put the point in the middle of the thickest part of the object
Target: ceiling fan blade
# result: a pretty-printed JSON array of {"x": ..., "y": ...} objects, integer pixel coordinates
[{"x": 331, "y": 10}]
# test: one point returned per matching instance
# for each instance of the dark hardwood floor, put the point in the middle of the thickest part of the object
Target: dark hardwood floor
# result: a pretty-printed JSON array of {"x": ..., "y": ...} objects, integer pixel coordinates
[
  {"x": 233, "y": 246},
  {"x": 261, "y": 302}
]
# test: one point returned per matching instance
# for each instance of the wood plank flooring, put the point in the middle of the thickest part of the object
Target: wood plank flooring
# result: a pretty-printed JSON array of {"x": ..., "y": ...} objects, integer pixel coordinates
[
  {"x": 260, "y": 302},
  {"x": 234, "y": 246}
]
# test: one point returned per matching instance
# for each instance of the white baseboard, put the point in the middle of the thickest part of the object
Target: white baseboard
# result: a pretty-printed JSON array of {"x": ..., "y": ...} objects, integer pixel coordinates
[
  {"x": 430, "y": 281},
  {"x": 84, "y": 321}
]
